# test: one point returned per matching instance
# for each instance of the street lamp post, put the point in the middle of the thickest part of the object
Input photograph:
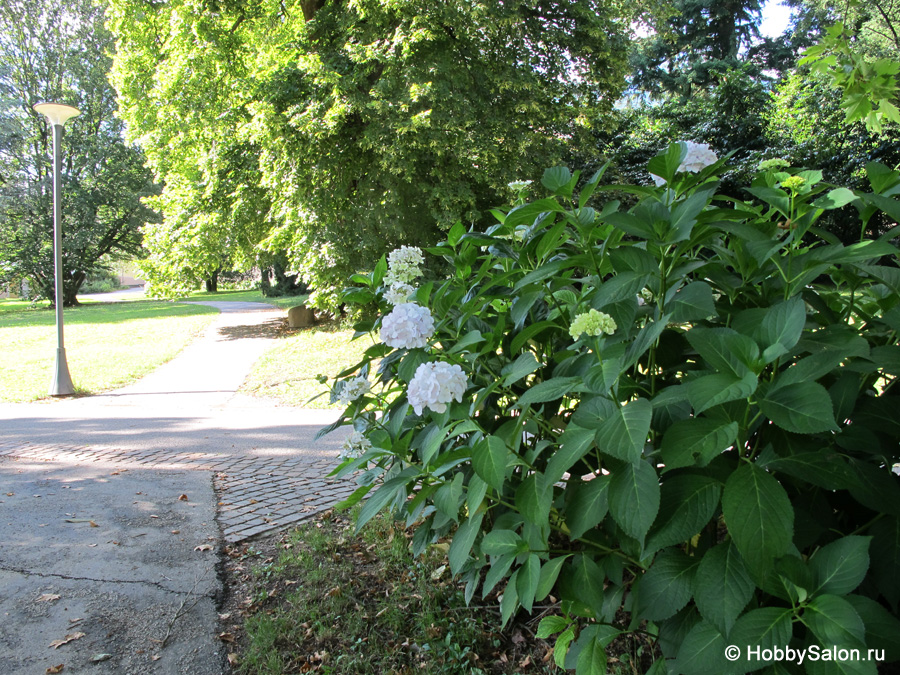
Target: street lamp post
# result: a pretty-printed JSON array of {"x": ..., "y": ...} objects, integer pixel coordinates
[{"x": 57, "y": 114}]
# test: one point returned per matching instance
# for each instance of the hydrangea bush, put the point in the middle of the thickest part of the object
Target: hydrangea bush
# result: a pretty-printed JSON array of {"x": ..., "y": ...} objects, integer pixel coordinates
[{"x": 683, "y": 413}]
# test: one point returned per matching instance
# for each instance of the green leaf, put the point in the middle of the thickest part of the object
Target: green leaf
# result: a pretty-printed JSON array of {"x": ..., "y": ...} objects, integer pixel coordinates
[
  {"x": 722, "y": 586},
  {"x": 533, "y": 499},
  {"x": 587, "y": 506},
  {"x": 586, "y": 579},
  {"x": 687, "y": 504},
  {"x": 764, "y": 628},
  {"x": 550, "y": 625},
  {"x": 666, "y": 163},
  {"x": 489, "y": 459},
  {"x": 702, "y": 652},
  {"x": 448, "y": 496},
  {"x": 463, "y": 541},
  {"x": 473, "y": 337},
  {"x": 824, "y": 468},
  {"x": 383, "y": 496},
  {"x": 562, "y": 647},
  {"x": 667, "y": 586},
  {"x": 696, "y": 441},
  {"x": 503, "y": 542},
  {"x": 558, "y": 179},
  {"x": 527, "y": 213},
  {"x": 694, "y": 302},
  {"x": 549, "y": 575},
  {"x": 499, "y": 569},
  {"x": 726, "y": 350},
  {"x": 510, "y": 600},
  {"x": 548, "y": 390},
  {"x": 524, "y": 365},
  {"x": 574, "y": 444},
  {"x": 592, "y": 659},
  {"x": 527, "y": 581},
  {"x": 623, "y": 432},
  {"x": 882, "y": 627},
  {"x": 834, "y": 622},
  {"x": 885, "y": 558},
  {"x": 835, "y": 199},
  {"x": 634, "y": 498},
  {"x": 759, "y": 516},
  {"x": 475, "y": 493},
  {"x": 800, "y": 407},
  {"x": 839, "y": 567},
  {"x": 712, "y": 390}
]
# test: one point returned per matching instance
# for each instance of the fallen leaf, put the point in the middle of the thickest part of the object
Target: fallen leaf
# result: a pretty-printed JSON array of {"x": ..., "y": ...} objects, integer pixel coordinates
[
  {"x": 176, "y": 531},
  {"x": 10, "y": 494},
  {"x": 56, "y": 644},
  {"x": 99, "y": 658},
  {"x": 226, "y": 637},
  {"x": 232, "y": 659},
  {"x": 253, "y": 501},
  {"x": 203, "y": 547},
  {"x": 48, "y": 597},
  {"x": 55, "y": 669},
  {"x": 76, "y": 620},
  {"x": 182, "y": 498},
  {"x": 225, "y": 617},
  {"x": 154, "y": 516},
  {"x": 93, "y": 524},
  {"x": 155, "y": 657}
]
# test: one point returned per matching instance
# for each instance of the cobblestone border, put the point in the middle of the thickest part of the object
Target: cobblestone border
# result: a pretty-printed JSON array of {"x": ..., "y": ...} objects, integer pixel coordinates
[{"x": 255, "y": 495}]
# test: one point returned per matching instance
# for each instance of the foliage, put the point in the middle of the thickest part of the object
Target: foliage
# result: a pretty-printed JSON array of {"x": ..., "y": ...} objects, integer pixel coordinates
[
  {"x": 719, "y": 466},
  {"x": 343, "y": 129},
  {"x": 57, "y": 52}
]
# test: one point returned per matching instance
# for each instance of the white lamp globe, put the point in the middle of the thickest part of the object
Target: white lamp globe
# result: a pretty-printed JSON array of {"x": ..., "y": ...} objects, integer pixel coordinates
[{"x": 57, "y": 113}]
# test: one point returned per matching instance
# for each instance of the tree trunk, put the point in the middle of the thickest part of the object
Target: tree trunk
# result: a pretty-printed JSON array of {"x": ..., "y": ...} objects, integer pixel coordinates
[{"x": 212, "y": 284}]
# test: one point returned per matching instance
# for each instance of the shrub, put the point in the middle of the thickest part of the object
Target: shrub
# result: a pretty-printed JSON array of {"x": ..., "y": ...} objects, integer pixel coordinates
[{"x": 685, "y": 410}]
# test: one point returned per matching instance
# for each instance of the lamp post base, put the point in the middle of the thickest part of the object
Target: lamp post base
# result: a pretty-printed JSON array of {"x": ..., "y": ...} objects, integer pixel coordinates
[{"x": 61, "y": 384}]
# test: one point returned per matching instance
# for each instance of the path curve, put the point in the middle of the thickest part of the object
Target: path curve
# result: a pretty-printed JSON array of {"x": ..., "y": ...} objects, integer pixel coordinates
[{"x": 117, "y": 503}]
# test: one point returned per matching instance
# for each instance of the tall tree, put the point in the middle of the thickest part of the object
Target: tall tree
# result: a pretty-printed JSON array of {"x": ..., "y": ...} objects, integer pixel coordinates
[
  {"x": 372, "y": 123},
  {"x": 58, "y": 52}
]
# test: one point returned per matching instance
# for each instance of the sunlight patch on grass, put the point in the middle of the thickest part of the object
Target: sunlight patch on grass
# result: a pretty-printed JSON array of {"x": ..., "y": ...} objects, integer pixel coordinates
[
  {"x": 287, "y": 373},
  {"x": 107, "y": 345}
]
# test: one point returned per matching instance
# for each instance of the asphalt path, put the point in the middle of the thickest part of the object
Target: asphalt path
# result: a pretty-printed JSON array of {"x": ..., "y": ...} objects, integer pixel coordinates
[{"x": 113, "y": 551}]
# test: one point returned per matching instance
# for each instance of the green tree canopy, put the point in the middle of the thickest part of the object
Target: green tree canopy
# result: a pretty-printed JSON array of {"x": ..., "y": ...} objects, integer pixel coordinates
[
  {"x": 335, "y": 131},
  {"x": 58, "y": 52}
]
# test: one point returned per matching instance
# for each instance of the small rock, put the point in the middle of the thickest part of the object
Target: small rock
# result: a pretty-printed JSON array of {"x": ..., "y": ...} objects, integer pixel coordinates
[{"x": 301, "y": 317}]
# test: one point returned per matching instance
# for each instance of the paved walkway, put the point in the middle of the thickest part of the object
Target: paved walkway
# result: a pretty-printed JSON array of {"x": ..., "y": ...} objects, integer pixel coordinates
[{"x": 117, "y": 503}]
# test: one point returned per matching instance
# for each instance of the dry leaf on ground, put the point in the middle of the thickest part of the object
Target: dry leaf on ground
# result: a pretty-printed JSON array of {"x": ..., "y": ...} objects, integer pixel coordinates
[
  {"x": 48, "y": 597},
  {"x": 56, "y": 644}
]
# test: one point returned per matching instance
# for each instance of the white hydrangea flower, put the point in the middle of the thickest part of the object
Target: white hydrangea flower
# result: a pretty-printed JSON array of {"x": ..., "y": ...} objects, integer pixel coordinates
[
  {"x": 354, "y": 388},
  {"x": 399, "y": 293},
  {"x": 356, "y": 445},
  {"x": 518, "y": 185},
  {"x": 408, "y": 326},
  {"x": 699, "y": 156},
  {"x": 404, "y": 265},
  {"x": 593, "y": 323},
  {"x": 434, "y": 385}
]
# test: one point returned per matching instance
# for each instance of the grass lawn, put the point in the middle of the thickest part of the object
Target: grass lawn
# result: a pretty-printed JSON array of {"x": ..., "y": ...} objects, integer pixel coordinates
[
  {"x": 107, "y": 344},
  {"x": 249, "y": 296},
  {"x": 320, "y": 599},
  {"x": 287, "y": 372}
]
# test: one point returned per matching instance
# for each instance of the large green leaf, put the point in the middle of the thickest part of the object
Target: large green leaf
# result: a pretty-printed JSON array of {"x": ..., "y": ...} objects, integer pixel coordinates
[
  {"x": 711, "y": 390},
  {"x": 623, "y": 433},
  {"x": 667, "y": 586},
  {"x": 527, "y": 581},
  {"x": 463, "y": 541},
  {"x": 524, "y": 365},
  {"x": 726, "y": 350},
  {"x": 687, "y": 503},
  {"x": 696, "y": 441},
  {"x": 722, "y": 587},
  {"x": 574, "y": 444},
  {"x": 549, "y": 390},
  {"x": 584, "y": 582},
  {"x": 885, "y": 554},
  {"x": 383, "y": 496},
  {"x": 694, "y": 302},
  {"x": 801, "y": 407},
  {"x": 761, "y": 629},
  {"x": 634, "y": 498},
  {"x": 839, "y": 567},
  {"x": 503, "y": 542},
  {"x": 702, "y": 652},
  {"x": 489, "y": 458},
  {"x": 882, "y": 627},
  {"x": 834, "y": 622},
  {"x": 533, "y": 498},
  {"x": 824, "y": 468},
  {"x": 759, "y": 516},
  {"x": 587, "y": 505}
]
